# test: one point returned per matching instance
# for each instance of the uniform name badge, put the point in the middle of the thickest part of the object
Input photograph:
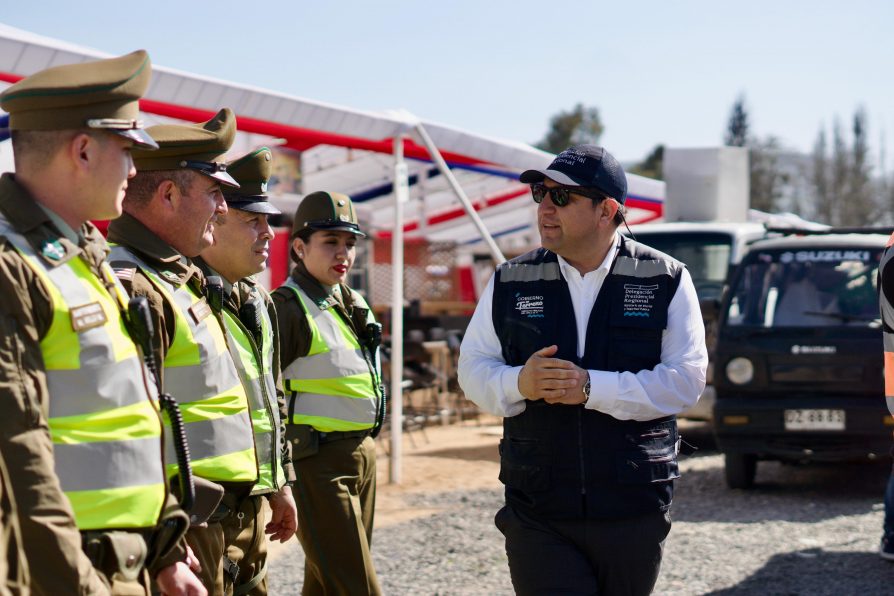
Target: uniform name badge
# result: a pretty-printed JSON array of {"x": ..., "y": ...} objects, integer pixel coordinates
[
  {"x": 87, "y": 316},
  {"x": 199, "y": 311}
]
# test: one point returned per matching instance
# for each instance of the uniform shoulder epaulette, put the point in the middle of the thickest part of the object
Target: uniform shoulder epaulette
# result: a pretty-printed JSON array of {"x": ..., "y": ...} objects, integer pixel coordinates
[
  {"x": 262, "y": 291},
  {"x": 172, "y": 277}
]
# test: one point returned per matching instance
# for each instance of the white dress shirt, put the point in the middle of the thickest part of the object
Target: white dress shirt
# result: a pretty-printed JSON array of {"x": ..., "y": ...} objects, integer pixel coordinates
[{"x": 669, "y": 388}]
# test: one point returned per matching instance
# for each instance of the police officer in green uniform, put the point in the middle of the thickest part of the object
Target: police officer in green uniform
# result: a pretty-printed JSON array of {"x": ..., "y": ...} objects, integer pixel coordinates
[
  {"x": 331, "y": 375},
  {"x": 240, "y": 250},
  {"x": 14, "y": 578},
  {"x": 170, "y": 210},
  {"x": 73, "y": 387}
]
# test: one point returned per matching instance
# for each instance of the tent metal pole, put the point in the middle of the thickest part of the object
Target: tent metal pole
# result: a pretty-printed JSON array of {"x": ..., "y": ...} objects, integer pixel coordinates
[
  {"x": 458, "y": 191},
  {"x": 401, "y": 196}
]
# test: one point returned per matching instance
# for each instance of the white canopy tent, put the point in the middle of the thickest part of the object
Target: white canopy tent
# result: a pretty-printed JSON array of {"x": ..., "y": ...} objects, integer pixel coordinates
[{"x": 407, "y": 176}]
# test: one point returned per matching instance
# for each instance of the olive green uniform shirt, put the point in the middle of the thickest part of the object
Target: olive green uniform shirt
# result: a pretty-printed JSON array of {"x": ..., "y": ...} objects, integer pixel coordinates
[
  {"x": 335, "y": 528},
  {"x": 170, "y": 265},
  {"x": 14, "y": 579},
  {"x": 237, "y": 295},
  {"x": 173, "y": 268},
  {"x": 52, "y": 542},
  {"x": 294, "y": 331}
]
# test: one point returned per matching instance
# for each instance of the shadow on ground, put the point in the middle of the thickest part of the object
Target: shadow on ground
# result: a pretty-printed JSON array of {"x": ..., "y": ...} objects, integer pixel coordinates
[
  {"x": 808, "y": 572},
  {"x": 785, "y": 492}
]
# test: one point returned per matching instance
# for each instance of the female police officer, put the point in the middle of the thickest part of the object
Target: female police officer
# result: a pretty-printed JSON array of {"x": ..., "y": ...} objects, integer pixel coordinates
[{"x": 335, "y": 405}]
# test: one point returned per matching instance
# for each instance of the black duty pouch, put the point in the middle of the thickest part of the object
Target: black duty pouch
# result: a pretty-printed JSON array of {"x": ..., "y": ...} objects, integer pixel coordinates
[
  {"x": 119, "y": 555},
  {"x": 305, "y": 440}
]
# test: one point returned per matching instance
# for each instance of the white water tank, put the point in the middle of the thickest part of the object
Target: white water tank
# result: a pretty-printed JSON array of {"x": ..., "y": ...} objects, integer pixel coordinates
[{"x": 706, "y": 184}]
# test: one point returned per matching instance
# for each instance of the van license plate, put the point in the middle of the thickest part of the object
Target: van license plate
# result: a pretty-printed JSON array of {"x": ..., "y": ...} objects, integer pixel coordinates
[{"x": 814, "y": 420}]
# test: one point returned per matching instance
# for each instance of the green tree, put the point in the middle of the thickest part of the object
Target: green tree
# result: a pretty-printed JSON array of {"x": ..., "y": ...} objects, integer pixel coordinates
[
  {"x": 737, "y": 127},
  {"x": 652, "y": 166},
  {"x": 765, "y": 176},
  {"x": 845, "y": 192},
  {"x": 579, "y": 125},
  {"x": 824, "y": 203},
  {"x": 888, "y": 196},
  {"x": 860, "y": 208},
  {"x": 839, "y": 169}
]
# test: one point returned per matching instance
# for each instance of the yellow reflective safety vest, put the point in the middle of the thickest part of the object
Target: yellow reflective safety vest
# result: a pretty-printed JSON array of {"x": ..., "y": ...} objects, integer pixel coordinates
[
  {"x": 106, "y": 429},
  {"x": 254, "y": 356},
  {"x": 200, "y": 374},
  {"x": 887, "y": 312},
  {"x": 334, "y": 387}
]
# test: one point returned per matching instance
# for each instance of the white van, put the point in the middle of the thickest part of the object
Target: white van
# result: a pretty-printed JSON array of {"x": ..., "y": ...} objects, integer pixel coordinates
[{"x": 711, "y": 252}]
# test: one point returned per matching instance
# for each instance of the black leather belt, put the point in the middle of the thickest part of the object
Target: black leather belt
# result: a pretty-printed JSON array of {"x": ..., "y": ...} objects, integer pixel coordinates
[{"x": 340, "y": 435}]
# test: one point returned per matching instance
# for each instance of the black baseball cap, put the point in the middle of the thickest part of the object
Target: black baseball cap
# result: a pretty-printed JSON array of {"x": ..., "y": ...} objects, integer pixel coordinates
[{"x": 588, "y": 166}]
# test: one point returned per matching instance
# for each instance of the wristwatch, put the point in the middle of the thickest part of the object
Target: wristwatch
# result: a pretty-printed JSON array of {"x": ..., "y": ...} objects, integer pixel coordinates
[{"x": 586, "y": 389}]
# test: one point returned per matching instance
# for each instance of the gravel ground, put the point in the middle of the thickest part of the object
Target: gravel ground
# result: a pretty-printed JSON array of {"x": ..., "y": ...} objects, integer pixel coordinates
[{"x": 803, "y": 530}]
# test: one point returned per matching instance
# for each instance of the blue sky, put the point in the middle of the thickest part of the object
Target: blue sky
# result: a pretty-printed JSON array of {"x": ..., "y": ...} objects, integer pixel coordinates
[{"x": 659, "y": 71}]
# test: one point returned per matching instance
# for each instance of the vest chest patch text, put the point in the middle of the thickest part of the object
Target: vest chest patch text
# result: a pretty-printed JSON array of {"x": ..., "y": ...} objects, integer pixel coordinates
[
  {"x": 87, "y": 316},
  {"x": 199, "y": 311},
  {"x": 529, "y": 306},
  {"x": 639, "y": 300}
]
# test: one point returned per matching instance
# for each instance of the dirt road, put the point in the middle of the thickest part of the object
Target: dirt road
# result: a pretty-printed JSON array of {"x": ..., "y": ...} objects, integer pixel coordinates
[{"x": 802, "y": 530}]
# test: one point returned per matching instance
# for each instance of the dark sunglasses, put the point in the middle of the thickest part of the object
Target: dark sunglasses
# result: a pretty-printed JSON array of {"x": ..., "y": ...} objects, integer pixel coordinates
[{"x": 561, "y": 195}]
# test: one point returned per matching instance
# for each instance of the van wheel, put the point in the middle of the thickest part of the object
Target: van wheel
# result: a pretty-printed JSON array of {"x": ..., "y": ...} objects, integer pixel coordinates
[{"x": 739, "y": 469}]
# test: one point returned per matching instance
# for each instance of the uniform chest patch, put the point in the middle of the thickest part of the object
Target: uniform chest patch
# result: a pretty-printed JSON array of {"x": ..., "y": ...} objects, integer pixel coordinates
[
  {"x": 529, "y": 306},
  {"x": 639, "y": 300},
  {"x": 87, "y": 316},
  {"x": 199, "y": 311},
  {"x": 52, "y": 250},
  {"x": 126, "y": 273}
]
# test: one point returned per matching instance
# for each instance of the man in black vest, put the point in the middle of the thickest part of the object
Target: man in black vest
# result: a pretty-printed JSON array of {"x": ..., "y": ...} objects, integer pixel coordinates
[{"x": 589, "y": 347}]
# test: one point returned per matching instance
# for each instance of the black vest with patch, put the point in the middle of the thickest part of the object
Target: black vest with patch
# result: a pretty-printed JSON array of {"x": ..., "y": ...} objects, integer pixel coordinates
[{"x": 561, "y": 461}]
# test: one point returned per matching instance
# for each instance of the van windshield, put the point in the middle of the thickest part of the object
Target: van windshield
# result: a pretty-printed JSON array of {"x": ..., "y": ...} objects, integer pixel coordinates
[
  {"x": 706, "y": 255},
  {"x": 807, "y": 288}
]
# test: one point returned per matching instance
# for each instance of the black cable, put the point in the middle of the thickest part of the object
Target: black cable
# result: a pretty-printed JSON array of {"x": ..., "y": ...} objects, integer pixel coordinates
[
  {"x": 181, "y": 448},
  {"x": 374, "y": 340},
  {"x": 624, "y": 219},
  {"x": 141, "y": 331}
]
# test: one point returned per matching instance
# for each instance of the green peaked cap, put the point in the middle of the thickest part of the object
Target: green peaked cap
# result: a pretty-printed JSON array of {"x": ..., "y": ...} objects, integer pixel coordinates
[
  {"x": 100, "y": 94},
  {"x": 323, "y": 210},
  {"x": 198, "y": 147},
  {"x": 252, "y": 172}
]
